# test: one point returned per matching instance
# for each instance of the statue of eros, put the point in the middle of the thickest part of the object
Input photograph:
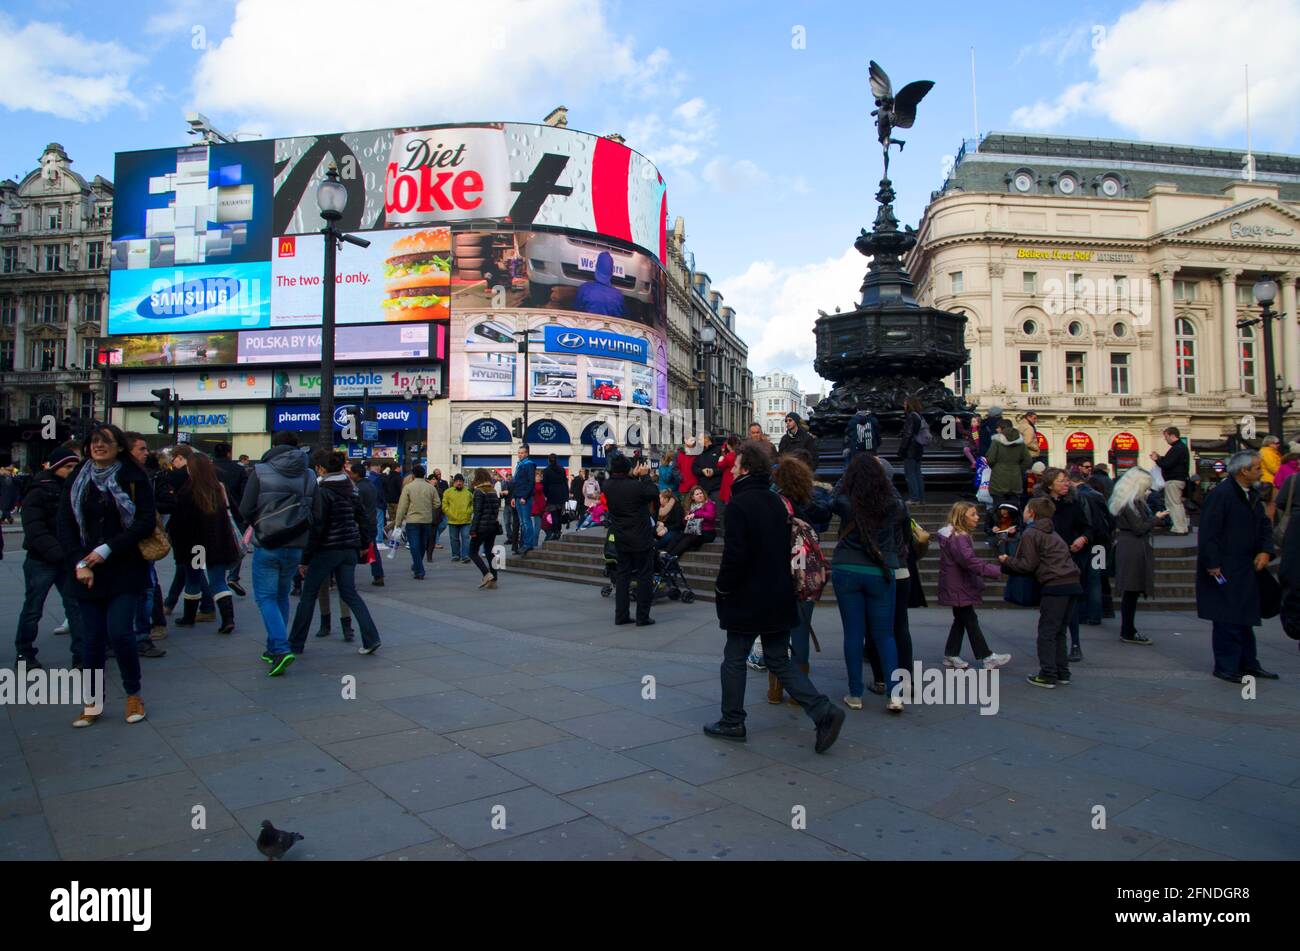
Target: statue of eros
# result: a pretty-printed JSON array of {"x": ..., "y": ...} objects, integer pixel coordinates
[{"x": 894, "y": 112}]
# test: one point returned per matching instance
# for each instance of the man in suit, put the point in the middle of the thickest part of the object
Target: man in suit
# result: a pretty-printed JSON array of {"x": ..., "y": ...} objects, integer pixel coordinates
[
  {"x": 1175, "y": 466},
  {"x": 1235, "y": 542}
]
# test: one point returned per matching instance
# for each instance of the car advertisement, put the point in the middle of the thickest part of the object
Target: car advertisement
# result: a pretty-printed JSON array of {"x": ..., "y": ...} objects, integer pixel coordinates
[
  {"x": 557, "y": 271},
  {"x": 176, "y": 350},
  {"x": 351, "y": 344},
  {"x": 404, "y": 276},
  {"x": 525, "y": 174},
  {"x": 198, "y": 297},
  {"x": 203, "y": 204},
  {"x": 572, "y": 358}
]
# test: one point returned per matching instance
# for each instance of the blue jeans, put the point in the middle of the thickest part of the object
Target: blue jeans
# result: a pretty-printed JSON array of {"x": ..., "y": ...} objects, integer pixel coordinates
[
  {"x": 866, "y": 603},
  {"x": 273, "y": 572},
  {"x": 438, "y": 526},
  {"x": 1080, "y": 610},
  {"x": 1092, "y": 595},
  {"x": 214, "y": 575},
  {"x": 39, "y": 577},
  {"x": 417, "y": 536},
  {"x": 377, "y": 566},
  {"x": 459, "y": 535},
  {"x": 528, "y": 533},
  {"x": 915, "y": 484},
  {"x": 341, "y": 565},
  {"x": 110, "y": 620},
  {"x": 1234, "y": 648}
]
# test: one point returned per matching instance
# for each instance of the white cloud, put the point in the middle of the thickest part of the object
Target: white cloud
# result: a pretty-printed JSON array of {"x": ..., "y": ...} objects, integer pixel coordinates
[
  {"x": 728, "y": 176},
  {"x": 311, "y": 65},
  {"x": 680, "y": 141},
  {"x": 1188, "y": 80},
  {"x": 177, "y": 15},
  {"x": 776, "y": 308},
  {"x": 1060, "y": 45},
  {"x": 43, "y": 68}
]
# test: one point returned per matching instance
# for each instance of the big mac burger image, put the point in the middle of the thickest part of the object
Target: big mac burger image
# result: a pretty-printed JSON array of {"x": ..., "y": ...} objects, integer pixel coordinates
[{"x": 417, "y": 276}]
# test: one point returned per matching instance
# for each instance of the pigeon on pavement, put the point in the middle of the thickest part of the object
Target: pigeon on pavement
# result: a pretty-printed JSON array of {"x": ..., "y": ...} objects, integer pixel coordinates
[{"x": 273, "y": 842}]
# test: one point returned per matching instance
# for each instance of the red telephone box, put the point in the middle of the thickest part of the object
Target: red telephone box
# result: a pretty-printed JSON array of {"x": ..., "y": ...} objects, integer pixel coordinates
[{"x": 1123, "y": 452}]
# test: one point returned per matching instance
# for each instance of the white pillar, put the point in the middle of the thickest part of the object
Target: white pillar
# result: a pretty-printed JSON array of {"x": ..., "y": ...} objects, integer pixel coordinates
[
  {"x": 20, "y": 337},
  {"x": 1231, "y": 362},
  {"x": 70, "y": 356},
  {"x": 1165, "y": 342},
  {"x": 1289, "y": 365},
  {"x": 998, "y": 322}
]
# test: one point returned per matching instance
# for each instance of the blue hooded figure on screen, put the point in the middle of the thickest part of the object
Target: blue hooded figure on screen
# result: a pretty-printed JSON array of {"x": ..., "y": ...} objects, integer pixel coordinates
[{"x": 600, "y": 296}]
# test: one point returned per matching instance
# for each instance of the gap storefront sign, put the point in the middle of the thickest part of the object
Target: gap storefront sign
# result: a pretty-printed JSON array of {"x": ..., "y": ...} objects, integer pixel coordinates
[
  {"x": 392, "y": 416},
  {"x": 596, "y": 343}
]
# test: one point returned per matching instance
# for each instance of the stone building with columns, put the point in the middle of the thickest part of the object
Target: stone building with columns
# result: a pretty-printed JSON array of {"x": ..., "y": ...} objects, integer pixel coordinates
[
  {"x": 54, "y": 241},
  {"x": 1104, "y": 281}
]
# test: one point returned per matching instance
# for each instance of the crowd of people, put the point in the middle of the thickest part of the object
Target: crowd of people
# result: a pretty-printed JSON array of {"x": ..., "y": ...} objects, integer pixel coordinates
[{"x": 101, "y": 515}]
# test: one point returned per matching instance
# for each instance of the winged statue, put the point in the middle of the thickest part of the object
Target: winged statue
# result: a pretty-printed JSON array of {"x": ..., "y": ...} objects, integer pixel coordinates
[{"x": 894, "y": 111}]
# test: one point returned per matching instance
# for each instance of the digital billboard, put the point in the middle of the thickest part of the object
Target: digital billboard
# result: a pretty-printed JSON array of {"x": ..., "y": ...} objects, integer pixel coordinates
[
  {"x": 352, "y": 344},
  {"x": 572, "y": 358},
  {"x": 403, "y": 276},
  {"x": 505, "y": 171}
]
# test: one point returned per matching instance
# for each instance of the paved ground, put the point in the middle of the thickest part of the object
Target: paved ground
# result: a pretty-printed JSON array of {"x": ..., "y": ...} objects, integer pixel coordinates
[{"x": 528, "y": 698}]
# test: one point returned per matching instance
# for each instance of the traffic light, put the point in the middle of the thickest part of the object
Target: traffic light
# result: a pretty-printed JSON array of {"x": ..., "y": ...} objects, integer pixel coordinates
[
  {"x": 164, "y": 411},
  {"x": 517, "y": 427}
]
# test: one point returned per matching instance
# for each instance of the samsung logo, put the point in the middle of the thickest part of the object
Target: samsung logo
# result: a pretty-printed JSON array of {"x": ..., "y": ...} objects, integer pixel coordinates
[{"x": 194, "y": 297}]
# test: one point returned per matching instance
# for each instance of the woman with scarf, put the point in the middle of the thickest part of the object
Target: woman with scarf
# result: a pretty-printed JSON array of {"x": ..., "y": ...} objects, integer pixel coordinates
[
  {"x": 106, "y": 513},
  {"x": 202, "y": 525},
  {"x": 1135, "y": 556},
  {"x": 1070, "y": 522},
  {"x": 670, "y": 521}
]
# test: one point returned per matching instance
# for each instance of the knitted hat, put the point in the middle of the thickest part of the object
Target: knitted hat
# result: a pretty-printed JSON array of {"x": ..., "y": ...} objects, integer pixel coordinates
[
  {"x": 62, "y": 455},
  {"x": 995, "y": 411}
]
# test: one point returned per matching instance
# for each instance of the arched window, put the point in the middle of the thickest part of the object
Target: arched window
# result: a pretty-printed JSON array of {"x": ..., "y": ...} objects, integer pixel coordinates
[
  {"x": 1185, "y": 355},
  {"x": 1246, "y": 350}
]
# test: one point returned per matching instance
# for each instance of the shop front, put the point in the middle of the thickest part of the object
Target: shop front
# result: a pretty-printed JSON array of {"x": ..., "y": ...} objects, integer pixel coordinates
[
  {"x": 399, "y": 429},
  {"x": 1124, "y": 450},
  {"x": 485, "y": 443},
  {"x": 203, "y": 425},
  {"x": 1078, "y": 449}
]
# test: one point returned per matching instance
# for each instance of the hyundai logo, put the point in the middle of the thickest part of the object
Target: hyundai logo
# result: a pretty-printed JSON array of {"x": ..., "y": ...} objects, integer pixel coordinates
[{"x": 570, "y": 340}]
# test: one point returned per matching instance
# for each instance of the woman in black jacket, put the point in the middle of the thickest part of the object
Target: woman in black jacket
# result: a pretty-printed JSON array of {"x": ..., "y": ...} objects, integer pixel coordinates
[
  {"x": 1072, "y": 524},
  {"x": 671, "y": 521},
  {"x": 341, "y": 530},
  {"x": 106, "y": 513},
  {"x": 911, "y": 448},
  {"x": 484, "y": 526},
  {"x": 203, "y": 534}
]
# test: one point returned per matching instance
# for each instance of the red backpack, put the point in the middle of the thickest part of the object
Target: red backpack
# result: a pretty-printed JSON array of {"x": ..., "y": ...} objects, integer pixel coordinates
[{"x": 808, "y": 566}]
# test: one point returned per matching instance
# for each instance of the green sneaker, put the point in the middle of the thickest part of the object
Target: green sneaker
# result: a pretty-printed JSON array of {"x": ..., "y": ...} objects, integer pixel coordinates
[
  {"x": 1038, "y": 680},
  {"x": 279, "y": 662},
  {"x": 268, "y": 657}
]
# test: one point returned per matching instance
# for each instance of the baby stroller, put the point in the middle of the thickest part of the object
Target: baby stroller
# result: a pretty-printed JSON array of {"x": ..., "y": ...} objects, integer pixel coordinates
[{"x": 669, "y": 579}]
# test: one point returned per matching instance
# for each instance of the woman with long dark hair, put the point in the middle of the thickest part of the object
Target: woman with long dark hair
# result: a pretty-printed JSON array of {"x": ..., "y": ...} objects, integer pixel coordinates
[
  {"x": 203, "y": 536},
  {"x": 107, "y": 511},
  {"x": 1071, "y": 523},
  {"x": 862, "y": 570},
  {"x": 483, "y": 527},
  {"x": 793, "y": 479},
  {"x": 911, "y": 447}
]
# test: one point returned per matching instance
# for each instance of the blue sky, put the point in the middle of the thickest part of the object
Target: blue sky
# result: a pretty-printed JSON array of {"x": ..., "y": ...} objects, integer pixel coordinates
[{"x": 757, "y": 113}]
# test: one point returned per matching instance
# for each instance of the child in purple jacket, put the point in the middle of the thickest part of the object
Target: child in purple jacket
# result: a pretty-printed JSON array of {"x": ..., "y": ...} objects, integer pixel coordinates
[{"x": 961, "y": 586}]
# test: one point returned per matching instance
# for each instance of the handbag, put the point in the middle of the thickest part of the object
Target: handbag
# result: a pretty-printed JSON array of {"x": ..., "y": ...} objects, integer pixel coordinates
[
  {"x": 920, "y": 540},
  {"x": 157, "y": 546},
  {"x": 693, "y": 526},
  {"x": 1270, "y": 594},
  {"x": 1024, "y": 591}
]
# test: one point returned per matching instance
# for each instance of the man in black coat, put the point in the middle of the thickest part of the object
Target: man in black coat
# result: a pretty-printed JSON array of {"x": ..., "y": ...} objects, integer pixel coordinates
[
  {"x": 555, "y": 486},
  {"x": 1175, "y": 466},
  {"x": 368, "y": 493},
  {"x": 632, "y": 498},
  {"x": 797, "y": 436},
  {"x": 234, "y": 477},
  {"x": 47, "y": 563},
  {"x": 1235, "y": 542},
  {"x": 575, "y": 493},
  {"x": 755, "y": 597},
  {"x": 708, "y": 474}
]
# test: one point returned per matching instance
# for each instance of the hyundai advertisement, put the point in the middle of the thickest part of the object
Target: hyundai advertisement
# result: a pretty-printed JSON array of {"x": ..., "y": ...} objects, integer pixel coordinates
[{"x": 572, "y": 358}]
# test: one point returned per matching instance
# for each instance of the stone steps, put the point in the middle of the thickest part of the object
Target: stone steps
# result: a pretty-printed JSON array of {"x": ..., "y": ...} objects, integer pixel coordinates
[{"x": 580, "y": 558}]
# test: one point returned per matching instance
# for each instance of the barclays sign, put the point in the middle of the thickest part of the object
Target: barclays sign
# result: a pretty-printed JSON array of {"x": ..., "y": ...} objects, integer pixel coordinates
[{"x": 595, "y": 343}]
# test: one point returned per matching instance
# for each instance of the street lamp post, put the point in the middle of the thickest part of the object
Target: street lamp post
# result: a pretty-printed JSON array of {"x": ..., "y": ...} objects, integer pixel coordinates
[
  {"x": 523, "y": 348},
  {"x": 708, "y": 338},
  {"x": 1265, "y": 292},
  {"x": 428, "y": 392},
  {"x": 332, "y": 198}
]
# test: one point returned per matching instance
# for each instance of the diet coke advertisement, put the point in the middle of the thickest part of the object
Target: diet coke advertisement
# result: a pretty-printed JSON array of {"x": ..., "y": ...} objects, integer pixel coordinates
[{"x": 436, "y": 175}]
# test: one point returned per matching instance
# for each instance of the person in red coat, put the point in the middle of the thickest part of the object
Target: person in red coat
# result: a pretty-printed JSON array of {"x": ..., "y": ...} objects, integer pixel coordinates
[
  {"x": 961, "y": 586},
  {"x": 685, "y": 464},
  {"x": 726, "y": 463}
]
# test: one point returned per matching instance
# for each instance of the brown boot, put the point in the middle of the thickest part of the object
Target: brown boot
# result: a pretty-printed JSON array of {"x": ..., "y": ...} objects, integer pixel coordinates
[
  {"x": 791, "y": 700},
  {"x": 774, "y": 691}
]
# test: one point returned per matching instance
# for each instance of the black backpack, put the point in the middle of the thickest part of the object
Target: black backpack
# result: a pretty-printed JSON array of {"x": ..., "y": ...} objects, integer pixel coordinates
[{"x": 283, "y": 514}]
